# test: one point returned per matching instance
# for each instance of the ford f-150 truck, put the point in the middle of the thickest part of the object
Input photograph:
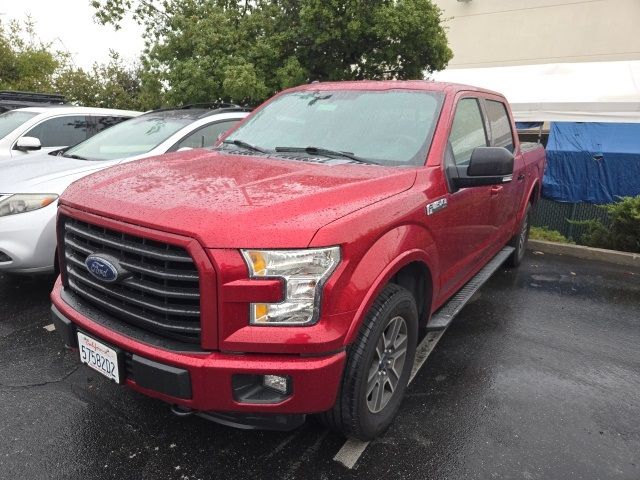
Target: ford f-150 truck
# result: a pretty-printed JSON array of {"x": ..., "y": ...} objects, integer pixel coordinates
[{"x": 293, "y": 268}]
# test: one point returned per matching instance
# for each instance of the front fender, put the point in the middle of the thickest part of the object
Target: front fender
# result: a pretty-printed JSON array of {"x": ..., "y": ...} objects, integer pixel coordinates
[{"x": 388, "y": 255}]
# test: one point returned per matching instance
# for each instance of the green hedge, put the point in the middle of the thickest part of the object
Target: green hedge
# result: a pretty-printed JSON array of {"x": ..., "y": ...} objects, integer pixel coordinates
[{"x": 615, "y": 226}]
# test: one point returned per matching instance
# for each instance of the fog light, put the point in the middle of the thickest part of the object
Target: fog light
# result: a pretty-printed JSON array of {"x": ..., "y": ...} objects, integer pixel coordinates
[
  {"x": 254, "y": 388},
  {"x": 277, "y": 383}
]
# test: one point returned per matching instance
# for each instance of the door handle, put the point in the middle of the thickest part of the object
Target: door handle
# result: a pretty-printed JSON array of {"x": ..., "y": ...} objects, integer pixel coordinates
[
  {"x": 521, "y": 177},
  {"x": 496, "y": 189}
]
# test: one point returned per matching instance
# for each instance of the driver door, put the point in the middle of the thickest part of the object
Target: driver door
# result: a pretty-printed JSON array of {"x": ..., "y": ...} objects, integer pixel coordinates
[{"x": 466, "y": 229}]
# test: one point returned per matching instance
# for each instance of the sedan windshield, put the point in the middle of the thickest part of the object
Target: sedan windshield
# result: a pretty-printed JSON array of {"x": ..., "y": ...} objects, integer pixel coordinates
[
  {"x": 390, "y": 127},
  {"x": 9, "y": 121},
  {"x": 129, "y": 138}
]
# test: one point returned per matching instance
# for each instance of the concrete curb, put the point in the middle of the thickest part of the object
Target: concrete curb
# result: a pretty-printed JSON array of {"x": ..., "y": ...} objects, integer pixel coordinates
[{"x": 587, "y": 253}]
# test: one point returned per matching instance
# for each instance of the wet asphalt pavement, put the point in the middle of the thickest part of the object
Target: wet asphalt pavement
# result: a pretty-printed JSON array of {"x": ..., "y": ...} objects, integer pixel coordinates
[{"x": 537, "y": 378}]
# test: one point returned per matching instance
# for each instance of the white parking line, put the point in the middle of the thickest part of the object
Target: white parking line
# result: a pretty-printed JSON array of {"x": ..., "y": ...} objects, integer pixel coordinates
[
  {"x": 350, "y": 452},
  {"x": 352, "y": 449}
]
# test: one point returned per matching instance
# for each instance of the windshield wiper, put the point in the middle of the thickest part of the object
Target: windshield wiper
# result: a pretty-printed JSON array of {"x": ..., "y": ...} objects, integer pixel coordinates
[
  {"x": 77, "y": 157},
  {"x": 246, "y": 145},
  {"x": 327, "y": 152}
]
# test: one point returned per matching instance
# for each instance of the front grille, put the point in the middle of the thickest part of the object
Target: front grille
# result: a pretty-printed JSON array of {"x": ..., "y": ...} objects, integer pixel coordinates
[{"x": 162, "y": 293}]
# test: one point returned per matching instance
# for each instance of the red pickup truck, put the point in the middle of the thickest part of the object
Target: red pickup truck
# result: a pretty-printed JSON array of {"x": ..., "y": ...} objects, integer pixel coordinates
[{"x": 293, "y": 268}]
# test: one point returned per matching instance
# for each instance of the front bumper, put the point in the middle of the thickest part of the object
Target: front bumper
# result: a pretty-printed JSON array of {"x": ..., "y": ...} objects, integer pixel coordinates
[
  {"x": 202, "y": 381},
  {"x": 29, "y": 240}
]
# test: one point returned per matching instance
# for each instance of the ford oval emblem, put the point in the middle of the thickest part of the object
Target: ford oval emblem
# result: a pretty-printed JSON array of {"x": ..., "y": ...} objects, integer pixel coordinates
[{"x": 103, "y": 267}]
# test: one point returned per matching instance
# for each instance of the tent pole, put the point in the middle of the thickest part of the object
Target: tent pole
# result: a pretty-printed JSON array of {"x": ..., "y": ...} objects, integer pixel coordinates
[{"x": 540, "y": 133}]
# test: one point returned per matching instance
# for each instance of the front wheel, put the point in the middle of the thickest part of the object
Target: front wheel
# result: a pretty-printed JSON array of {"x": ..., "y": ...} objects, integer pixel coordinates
[
  {"x": 378, "y": 367},
  {"x": 519, "y": 240}
]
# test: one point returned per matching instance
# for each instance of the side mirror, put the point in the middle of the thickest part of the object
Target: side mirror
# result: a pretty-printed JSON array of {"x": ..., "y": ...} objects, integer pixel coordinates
[
  {"x": 27, "y": 144},
  {"x": 487, "y": 166}
]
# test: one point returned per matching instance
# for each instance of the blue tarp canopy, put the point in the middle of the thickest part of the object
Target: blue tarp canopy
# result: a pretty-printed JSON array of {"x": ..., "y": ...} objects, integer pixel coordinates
[{"x": 592, "y": 162}]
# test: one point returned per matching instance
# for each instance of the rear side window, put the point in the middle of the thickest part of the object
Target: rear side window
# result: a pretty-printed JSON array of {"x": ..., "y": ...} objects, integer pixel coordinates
[
  {"x": 205, "y": 136},
  {"x": 500, "y": 125},
  {"x": 467, "y": 131},
  {"x": 61, "y": 131}
]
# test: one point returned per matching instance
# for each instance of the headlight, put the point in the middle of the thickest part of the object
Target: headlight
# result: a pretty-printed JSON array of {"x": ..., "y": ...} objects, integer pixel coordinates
[
  {"x": 304, "y": 273},
  {"x": 25, "y": 202}
]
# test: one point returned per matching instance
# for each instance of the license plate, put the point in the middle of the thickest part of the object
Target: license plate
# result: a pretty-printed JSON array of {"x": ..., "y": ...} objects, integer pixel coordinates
[{"x": 100, "y": 357}]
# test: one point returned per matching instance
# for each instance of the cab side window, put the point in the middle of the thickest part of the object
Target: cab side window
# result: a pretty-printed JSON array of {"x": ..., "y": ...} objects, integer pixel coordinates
[
  {"x": 205, "y": 136},
  {"x": 467, "y": 132},
  {"x": 61, "y": 131},
  {"x": 501, "y": 133}
]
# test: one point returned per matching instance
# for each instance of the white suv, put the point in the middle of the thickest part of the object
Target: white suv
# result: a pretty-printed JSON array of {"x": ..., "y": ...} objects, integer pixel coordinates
[
  {"x": 29, "y": 187},
  {"x": 49, "y": 128}
]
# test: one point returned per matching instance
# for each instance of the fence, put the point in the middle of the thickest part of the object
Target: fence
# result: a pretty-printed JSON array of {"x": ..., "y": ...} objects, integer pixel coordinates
[{"x": 557, "y": 216}]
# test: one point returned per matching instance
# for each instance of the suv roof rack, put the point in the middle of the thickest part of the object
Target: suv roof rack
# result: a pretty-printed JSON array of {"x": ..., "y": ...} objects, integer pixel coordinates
[
  {"x": 209, "y": 105},
  {"x": 219, "y": 107},
  {"x": 11, "y": 99},
  {"x": 31, "y": 97}
]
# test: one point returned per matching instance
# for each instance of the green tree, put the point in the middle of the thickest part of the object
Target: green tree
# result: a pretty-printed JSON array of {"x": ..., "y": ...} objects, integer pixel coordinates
[
  {"x": 109, "y": 85},
  {"x": 244, "y": 51},
  {"x": 26, "y": 63}
]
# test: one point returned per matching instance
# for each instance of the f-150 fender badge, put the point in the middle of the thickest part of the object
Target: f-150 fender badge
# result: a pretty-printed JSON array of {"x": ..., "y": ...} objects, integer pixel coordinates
[{"x": 436, "y": 206}]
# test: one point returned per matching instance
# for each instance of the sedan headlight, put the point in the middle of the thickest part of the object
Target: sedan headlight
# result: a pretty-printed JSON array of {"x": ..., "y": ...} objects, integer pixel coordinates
[
  {"x": 25, "y": 202},
  {"x": 304, "y": 273}
]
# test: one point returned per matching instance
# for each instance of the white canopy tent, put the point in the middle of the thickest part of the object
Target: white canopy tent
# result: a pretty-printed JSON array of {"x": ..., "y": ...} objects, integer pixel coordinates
[{"x": 570, "y": 92}]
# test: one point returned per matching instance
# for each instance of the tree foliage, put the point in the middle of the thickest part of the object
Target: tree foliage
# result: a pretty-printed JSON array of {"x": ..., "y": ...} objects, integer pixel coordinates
[
  {"x": 28, "y": 64},
  {"x": 244, "y": 51},
  {"x": 109, "y": 85}
]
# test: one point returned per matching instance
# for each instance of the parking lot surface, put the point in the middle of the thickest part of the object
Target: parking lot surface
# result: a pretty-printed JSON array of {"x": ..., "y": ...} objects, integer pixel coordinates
[{"x": 537, "y": 378}]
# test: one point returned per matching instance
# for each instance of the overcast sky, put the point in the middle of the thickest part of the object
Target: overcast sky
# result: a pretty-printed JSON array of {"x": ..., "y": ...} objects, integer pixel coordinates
[{"x": 70, "y": 25}]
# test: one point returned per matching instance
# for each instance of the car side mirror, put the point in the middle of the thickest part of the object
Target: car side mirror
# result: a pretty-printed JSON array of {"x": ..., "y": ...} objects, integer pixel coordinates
[
  {"x": 27, "y": 144},
  {"x": 487, "y": 166}
]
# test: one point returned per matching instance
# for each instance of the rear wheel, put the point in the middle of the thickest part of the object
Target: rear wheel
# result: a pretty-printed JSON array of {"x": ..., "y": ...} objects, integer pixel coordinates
[
  {"x": 519, "y": 240},
  {"x": 378, "y": 367}
]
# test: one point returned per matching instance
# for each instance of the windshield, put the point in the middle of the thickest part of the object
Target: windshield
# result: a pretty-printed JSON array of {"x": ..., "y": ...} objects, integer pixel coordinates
[
  {"x": 129, "y": 138},
  {"x": 390, "y": 127},
  {"x": 9, "y": 121}
]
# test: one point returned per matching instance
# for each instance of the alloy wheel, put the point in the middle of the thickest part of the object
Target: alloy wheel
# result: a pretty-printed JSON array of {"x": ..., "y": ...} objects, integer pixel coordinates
[{"x": 387, "y": 365}]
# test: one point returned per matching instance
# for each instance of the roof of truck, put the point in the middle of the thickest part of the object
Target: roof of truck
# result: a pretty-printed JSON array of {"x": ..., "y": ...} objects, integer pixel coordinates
[{"x": 427, "y": 85}]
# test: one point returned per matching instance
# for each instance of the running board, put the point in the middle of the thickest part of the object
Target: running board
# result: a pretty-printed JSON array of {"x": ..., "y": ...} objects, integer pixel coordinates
[{"x": 444, "y": 316}]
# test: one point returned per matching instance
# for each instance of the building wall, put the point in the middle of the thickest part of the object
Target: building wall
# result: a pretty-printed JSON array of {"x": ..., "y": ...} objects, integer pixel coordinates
[{"x": 489, "y": 33}]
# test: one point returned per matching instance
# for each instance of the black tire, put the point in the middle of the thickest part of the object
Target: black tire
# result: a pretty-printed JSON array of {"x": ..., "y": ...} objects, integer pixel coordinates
[
  {"x": 354, "y": 413},
  {"x": 519, "y": 240}
]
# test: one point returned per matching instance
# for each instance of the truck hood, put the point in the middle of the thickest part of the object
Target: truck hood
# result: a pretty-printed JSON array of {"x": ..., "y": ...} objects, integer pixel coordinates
[
  {"x": 235, "y": 201},
  {"x": 43, "y": 173}
]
